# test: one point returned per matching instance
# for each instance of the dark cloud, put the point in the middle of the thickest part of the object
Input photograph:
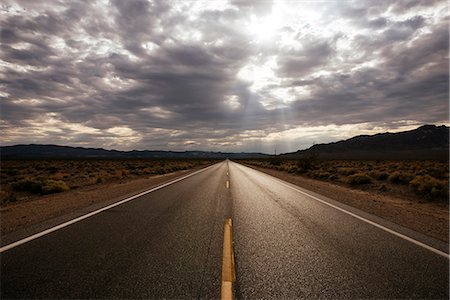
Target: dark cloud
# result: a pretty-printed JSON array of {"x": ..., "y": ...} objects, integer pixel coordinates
[
  {"x": 148, "y": 74},
  {"x": 301, "y": 62},
  {"x": 404, "y": 6},
  {"x": 377, "y": 23},
  {"x": 134, "y": 21}
]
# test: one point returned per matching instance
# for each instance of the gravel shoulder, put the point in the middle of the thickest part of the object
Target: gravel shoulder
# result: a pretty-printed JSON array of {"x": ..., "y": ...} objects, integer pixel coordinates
[{"x": 429, "y": 218}]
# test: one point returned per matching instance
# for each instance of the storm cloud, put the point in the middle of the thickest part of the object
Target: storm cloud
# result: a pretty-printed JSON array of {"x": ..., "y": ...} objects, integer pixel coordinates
[{"x": 219, "y": 75}]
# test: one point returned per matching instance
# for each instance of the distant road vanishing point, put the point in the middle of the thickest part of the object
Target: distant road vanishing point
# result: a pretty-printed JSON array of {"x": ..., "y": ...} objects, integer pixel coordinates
[{"x": 168, "y": 243}]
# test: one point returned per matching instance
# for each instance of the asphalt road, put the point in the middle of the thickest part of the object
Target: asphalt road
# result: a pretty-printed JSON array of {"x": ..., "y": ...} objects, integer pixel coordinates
[{"x": 168, "y": 244}]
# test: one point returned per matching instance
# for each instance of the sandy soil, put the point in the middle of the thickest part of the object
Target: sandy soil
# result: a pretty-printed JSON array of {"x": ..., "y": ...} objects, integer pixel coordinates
[{"x": 430, "y": 218}]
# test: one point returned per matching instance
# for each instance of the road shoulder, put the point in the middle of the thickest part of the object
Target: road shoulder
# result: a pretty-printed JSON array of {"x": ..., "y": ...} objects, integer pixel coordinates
[{"x": 430, "y": 219}]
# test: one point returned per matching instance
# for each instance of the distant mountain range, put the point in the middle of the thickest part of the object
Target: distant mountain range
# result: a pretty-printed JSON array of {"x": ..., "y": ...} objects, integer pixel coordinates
[
  {"x": 54, "y": 151},
  {"x": 425, "y": 142}
]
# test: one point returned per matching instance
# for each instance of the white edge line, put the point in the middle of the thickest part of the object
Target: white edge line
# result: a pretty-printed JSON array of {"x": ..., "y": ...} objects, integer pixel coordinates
[
  {"x": 57, "y": 227},
  {"x": 418, "y": 243}
]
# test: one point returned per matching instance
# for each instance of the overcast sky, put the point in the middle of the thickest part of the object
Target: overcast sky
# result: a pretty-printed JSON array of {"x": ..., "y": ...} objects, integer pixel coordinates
[{"x": 220, "y": 75}]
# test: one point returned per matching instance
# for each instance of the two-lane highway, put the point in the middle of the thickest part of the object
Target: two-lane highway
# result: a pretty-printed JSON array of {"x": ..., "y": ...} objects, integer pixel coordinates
[{"x": 168, "y": 244}]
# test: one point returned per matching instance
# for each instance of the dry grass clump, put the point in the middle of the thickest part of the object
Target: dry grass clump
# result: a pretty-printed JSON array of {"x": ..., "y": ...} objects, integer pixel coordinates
[
  {"x": 40, "y": 187},
  {"x": 429, "y": 186},
  {"x": 347, "y": 171},
  {"x": 101, "y": 176},
  {"x": 321, "y": 174},
  {"x": 400, "y": 177},
  {"x": 358, "y": 178},
  {"x": 54, "y": 186},
  {"x": 306, "y": 164},
  {"x": 28, "y": 185},
  {"x": 379, "y": 175}
]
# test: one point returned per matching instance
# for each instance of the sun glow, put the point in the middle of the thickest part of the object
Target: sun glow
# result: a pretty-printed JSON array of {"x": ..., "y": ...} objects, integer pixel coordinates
[{"x": 265, "y": 28}]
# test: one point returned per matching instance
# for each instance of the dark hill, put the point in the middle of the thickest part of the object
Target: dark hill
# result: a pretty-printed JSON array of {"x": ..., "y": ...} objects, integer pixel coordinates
[
  {"x": 425, "y": 142},
  {"x": 55, "y": 151}
]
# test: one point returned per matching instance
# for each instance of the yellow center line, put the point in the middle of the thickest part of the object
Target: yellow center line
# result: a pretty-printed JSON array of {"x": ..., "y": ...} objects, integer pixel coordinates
[
  {"x": 228, "y": 272},
  {"x": 228, "y": 184}
]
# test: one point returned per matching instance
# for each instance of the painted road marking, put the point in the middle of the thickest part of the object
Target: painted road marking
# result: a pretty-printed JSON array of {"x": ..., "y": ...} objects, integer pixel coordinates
[
  {"x": 228, "y": 272},
  {"x": 398, "y": 234},
  {"x": 42, "y": 233},
  {"x": 228, "y": 184}
]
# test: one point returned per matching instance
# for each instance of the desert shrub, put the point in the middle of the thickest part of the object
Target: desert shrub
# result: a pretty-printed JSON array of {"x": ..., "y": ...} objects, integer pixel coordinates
[
  {"x": 101, "y": 176},
  {"x": 393, "y": 166},
  {"x": 54, "y": 186},
  {"x": 358, "y": 178},
  {"x": 178, "y": 167},
  {"x": 306, "y": 164},
  {"x": 159, "y": 171},
  {"x": 400, "y": 178},
  {"x": 346, "y": 171},
  {"x": 52, "y": 169},
  {"x": 11, "y": 172},
  {"x": 275, "y": 161},
  {"x": 120, "y": 173},
  {"x": 437, "y": 172},
  {"x": 143, "y": 171},
  {"x": 40, "y": 186},
  {"x": 28, "y": 185},
  {"x": 290, "y": 168},
  {"x": 133, "y": 167},
  {"x": 429, "y": 186},
  {"x": 321, "y": 174},
  {"x": 379, "y": 175}
]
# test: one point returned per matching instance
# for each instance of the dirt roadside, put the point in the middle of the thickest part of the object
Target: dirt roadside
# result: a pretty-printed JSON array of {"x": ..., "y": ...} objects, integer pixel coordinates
[
  {"x": 429, "y": 218},
  {"x": 22, "y": 215}
]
